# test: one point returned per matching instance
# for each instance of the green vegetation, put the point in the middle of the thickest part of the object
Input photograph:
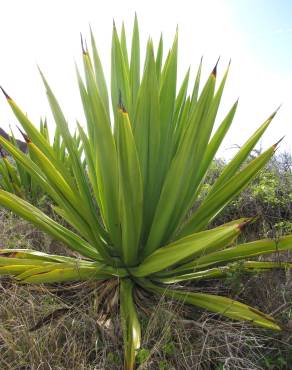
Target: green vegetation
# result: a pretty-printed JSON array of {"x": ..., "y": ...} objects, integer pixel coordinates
[
  {"x": 14, "y": 176},
  {"x": 125, "y": 198},
  {"x": 269, "y": 197}
]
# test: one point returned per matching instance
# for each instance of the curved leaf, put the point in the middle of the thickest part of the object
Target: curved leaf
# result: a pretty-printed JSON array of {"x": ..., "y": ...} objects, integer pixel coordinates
[{"x": 218, "y": 304}]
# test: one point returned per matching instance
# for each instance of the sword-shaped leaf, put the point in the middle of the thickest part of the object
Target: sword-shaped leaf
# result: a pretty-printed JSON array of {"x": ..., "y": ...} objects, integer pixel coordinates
[
  {"x": 135, "y": 63},
  {"x": 37, "y": 217},
  {"x": 223, "y": 271},
  {"x": 84, "y": 192},
  {"x": 130, "y": 187},
  {"x": 188, "y": 247},
  {"x": 212, "y": 205},
  {"x": 146, "y": 124},
  {"x": 99, "y": 75},
  {"x": 180, "y": 174},
  {"x": 36, "y": 267},
  {"x": 219, "y": 305},
  {"x": 120, "y": 82},
  {"x": 105, "y": 156},
  {"x": 159, "y": 56},
  {"x": 233, "y": 166},
  {"x": 237, "y": 253}
]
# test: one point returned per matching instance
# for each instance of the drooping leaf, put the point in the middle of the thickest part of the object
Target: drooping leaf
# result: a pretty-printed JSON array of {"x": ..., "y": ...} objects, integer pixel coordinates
[{"x": 218, "y": 304}]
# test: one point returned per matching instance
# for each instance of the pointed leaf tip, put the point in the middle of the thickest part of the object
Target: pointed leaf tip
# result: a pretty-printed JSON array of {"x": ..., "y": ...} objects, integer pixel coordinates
[
  {"x": 5, "y": 93},
  {"x": 83, "y": 45},
  {"x": 242, "y": 225},
  {"x": 278, "y": 142},
  {"x": 214, "y": 72},
  {"x": 279, "y": 107},
  {"x": 274, "y": 113},
  {"x": 26, "y": 138},
  {"x": 121, "y": 104}
]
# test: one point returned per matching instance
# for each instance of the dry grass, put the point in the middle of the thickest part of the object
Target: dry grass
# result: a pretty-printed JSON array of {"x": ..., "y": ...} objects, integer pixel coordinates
[{"x": 76, "y": 332}]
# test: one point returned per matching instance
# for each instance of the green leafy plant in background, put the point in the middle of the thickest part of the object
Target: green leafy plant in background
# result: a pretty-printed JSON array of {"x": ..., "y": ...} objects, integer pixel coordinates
[
  {"x": 277, "y": 362},
  {"x": 15, "y": 178},
  {"x": 269, "y": 195},
  {"x": 127, "y": 198}
]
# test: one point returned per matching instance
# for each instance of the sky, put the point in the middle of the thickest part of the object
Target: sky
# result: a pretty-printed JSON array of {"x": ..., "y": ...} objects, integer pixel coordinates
[{"x": 256, "y": 35}]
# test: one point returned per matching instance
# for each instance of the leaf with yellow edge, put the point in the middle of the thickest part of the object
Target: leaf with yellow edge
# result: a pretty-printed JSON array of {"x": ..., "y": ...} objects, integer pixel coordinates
[
  {"x": 186, "y": 248},
  {"x": 217, "y": 304}
]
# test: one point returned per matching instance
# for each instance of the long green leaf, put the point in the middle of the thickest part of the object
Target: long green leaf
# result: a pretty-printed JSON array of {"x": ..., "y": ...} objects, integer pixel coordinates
[
  {"x": 146, "y": 124},
  {"x": 76, "y": 221},
  {"x": 179, "y": 177},
  {"x": 246, "y": 250},
  {"x": 99, "y": 75},
  {"x": 84, "y": 195},
  {"x": 212, "y": 205},
  {"x": 190, "y": 246},
  {"x": 120, "y": 83},
  {"x": 34, "y": 215},
  {"x": 106, "y": 161},
  {"x": 135, "y": 63},
  {"x": 241, "y": 156},
  {"x": 217, "y": 304},
  {"x": 131, "y": 189},
  {"x": 222, "y": 271}
]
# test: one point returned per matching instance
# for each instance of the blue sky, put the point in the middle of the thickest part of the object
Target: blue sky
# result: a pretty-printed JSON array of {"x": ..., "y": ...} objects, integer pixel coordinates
[
  {"x": 256, "y": 35},
  {"x": 267, "y": 27}
]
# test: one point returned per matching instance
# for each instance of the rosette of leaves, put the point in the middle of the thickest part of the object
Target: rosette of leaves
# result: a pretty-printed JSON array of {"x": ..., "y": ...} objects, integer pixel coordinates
[{"x": 127, "y": 199}]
